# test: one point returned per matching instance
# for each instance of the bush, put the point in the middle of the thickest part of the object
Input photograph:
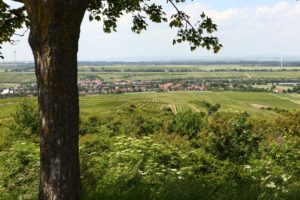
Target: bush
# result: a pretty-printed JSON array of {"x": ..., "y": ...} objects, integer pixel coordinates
[
  {"x": 25, "y": 121},
  {"x": 6, "y": 137},
  {"x": 187, "y": 124},
  {"x": 129, "y": 154},
  {"x": 149, "y": 169},
  {"x": 232, "y": 138},
  {"x": 19, "y": 171},
  {"x": 211, "y": 109},
  {"x": 289, "y": 124},
  {"x": 89, "y": 126}
]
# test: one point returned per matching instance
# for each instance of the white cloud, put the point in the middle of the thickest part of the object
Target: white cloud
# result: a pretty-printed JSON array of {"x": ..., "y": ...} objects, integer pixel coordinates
[{"x": 271, "y": 30}]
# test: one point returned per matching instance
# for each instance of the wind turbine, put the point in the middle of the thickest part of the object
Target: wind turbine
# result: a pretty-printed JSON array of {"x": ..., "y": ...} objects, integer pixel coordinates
[{"x": 15, "y": 57}]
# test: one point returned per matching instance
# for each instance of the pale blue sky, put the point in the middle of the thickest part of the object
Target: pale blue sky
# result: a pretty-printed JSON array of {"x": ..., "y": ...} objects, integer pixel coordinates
[
  {"x": 225, "y": 4},
  {"x": 246, "y": 28}
]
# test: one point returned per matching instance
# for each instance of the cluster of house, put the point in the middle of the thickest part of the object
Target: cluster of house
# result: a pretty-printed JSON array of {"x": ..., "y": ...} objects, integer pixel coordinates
[
  {"x": 20, "y": 90},
  {"x": 279, "y": 90},
  {"x": 294, "y": 85},
  {"x": 88, "y": 86},
  {"x": 7, "y": 91},
  {"x": 96, "y": 86},
  {"x": 178, "y": 86}
]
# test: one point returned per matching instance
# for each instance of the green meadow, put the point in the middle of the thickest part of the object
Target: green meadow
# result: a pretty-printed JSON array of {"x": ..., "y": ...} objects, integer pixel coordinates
[
  {"x": 17, "y": 77},
  {"x": 8, "y": 106}
]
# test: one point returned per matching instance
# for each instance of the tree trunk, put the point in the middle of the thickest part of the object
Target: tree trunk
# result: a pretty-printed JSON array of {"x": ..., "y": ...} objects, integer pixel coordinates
[{"x": 54, "y": 35}]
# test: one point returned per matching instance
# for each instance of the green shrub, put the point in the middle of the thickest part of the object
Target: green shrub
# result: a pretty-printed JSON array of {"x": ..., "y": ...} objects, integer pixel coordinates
[
  {"x": 208, "y": 106},
  {"x": 232, "y": 138},
  {"x": 289, "y": 124},
  {"x": 19, "y": 171},
  {"x": 149, "y": 169},
  {"x": 187, "y": 124},
  {"x": 25, "y": 121},
  {"x": 6, "y": 138},
  {"x": 90, "y": 125},
  {"x": 130, "y": 154}
]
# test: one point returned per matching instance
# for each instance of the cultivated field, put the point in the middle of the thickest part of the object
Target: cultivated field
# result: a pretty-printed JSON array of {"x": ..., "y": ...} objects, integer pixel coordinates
[
  {"x": 29, "y": 77},
  {"x": 192, "y": 75},
  {"x": 182, "y": 101},
  {"x": 250, "y": 102},
  {"x": 17, "y": 77},
  {"x": 186, "y": 67}
]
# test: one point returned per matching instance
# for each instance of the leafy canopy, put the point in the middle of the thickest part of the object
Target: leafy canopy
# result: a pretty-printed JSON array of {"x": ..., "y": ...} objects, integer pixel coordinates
[
  {"x": 109, "y": 11},
  {"x": 10, "y": 21}
]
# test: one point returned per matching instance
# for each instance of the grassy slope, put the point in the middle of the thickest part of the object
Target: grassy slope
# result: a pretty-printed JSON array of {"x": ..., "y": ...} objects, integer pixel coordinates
[
  {"x": 178, "y": 101},
  {"x": 8, "y": 106}
]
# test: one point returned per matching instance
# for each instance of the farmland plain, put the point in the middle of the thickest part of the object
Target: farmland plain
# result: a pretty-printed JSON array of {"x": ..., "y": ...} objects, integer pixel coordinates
[
  {"x": 29, "y": 77},
  {"x": 12, "y": 74},
  {"x": 165, "y": 67}
]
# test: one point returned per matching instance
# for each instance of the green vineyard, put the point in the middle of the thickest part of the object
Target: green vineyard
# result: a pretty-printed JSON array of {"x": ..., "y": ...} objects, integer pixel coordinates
[{"x": 157, "y": 106}]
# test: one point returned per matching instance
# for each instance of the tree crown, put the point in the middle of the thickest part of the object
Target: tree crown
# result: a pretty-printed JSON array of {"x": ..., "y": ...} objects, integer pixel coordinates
[{"x": 109, "y": 11}]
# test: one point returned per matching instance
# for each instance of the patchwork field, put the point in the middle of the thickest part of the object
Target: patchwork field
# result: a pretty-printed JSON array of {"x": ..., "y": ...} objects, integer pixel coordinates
[
  {"x": 28, "y": 77},
  {"x": 182, "y": 101},
  {"x": 250, "y": 102},
  {"x": 186, "y": 67}
]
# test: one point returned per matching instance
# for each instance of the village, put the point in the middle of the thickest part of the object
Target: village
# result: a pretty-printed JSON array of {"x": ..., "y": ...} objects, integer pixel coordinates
[
  {"x": 95, "y": 86},
  {"x": 19, "y": 90},
  {"x": 91, "y": 86}
]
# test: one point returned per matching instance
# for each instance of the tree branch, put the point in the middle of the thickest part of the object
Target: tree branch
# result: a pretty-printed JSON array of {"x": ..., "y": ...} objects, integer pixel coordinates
[
  {"x": 22, "y": 34},
  {"x": 178, "y": 11},
  {"x": 198, "y": 35}
]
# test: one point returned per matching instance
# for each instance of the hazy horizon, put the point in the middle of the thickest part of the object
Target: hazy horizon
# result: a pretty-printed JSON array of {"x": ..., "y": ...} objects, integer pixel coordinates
[{"x": 254, "y": 58}]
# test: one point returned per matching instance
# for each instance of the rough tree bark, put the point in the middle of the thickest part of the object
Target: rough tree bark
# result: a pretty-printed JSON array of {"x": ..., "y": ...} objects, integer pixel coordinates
[{"x": 54, "y": 35}]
